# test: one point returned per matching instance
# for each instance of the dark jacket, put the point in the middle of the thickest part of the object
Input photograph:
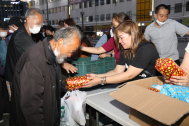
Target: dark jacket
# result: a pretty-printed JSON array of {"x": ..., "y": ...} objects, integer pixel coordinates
[
  {"x": 36, "y": 88},
  {"x": 18, "y": 44}
]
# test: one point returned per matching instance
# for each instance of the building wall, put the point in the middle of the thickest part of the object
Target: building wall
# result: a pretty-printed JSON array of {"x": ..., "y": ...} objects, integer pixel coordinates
[
  {"x": 52, "y": 5},
  {"x": 126, "y": 7}
]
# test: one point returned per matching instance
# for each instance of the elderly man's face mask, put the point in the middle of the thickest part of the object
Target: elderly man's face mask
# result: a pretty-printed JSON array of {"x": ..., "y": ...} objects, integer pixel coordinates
[{"x": 35, "y": 23}]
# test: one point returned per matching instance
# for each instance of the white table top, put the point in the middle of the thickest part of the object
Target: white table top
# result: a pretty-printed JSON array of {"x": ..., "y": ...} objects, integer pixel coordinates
[
  {"x": 99, "y": 89},
  {"x": 112, "y": 108}
]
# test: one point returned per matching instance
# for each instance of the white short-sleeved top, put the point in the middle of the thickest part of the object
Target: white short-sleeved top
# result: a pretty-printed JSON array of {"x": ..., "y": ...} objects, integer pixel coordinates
[{"x": 187, "y": 48}]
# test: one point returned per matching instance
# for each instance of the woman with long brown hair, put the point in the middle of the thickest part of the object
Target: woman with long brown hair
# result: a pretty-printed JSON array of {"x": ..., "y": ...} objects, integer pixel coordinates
[{"x": 137, "y": 57}]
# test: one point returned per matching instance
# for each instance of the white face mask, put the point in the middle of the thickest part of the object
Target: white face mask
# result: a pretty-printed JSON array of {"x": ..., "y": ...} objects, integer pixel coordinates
[
  {"x": 160, "y": 23},
  {"x": 35, "y": 29},
  {"x": 10, "y": 31},
  {"x": 3, "y": 34},
  {"x": 111, "y": 33},
  {"x": 59, "y": 59}
]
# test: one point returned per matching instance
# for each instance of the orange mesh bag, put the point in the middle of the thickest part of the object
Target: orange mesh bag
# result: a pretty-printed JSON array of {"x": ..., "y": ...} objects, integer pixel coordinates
[
  {"x": 168, "y": 68},
  {"x": 76, "y": 82}
]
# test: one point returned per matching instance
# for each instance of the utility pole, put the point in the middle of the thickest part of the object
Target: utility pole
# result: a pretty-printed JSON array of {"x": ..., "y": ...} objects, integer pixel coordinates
[
  {"x": 82, "y": 13},
  {"x": 47, "y": 13}
]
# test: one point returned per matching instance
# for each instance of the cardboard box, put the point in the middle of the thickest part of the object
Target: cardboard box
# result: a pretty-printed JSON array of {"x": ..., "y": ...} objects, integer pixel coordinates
[{"x": 149, "y": 108}]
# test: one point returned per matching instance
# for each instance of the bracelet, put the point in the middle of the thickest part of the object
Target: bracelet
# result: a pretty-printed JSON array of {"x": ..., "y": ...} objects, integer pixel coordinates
[
  {"x": 105, "y": 80},
  {"x": 110, "y": 55},
  {"x": 102, "y": 80}
]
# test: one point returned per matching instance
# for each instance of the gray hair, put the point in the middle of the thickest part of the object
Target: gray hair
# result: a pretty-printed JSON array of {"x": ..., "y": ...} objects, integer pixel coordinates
[
  {"x": 32, "y": 12},
  {"x": 67, "y": 34}
]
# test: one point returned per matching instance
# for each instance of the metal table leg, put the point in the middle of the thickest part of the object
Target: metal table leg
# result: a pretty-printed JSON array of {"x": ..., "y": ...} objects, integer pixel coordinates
[
  {"x": 97, "y": 118},
  {"x": 90, "y": 116}
]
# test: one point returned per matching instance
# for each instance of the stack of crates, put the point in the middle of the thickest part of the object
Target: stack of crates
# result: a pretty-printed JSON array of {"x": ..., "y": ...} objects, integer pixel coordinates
[{"x": 85, "y": 65}]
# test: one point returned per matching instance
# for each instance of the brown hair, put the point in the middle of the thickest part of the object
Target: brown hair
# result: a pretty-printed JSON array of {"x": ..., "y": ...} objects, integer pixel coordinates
[
  {"x": 121, "y": 17},
  {"x": 70, "y": 22},
  {"x": 131, "y": 28}
]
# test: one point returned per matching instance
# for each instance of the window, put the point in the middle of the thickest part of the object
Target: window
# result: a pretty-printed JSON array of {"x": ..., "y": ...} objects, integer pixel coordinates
[
  {"x": 90, "y": 4},
  {"x": 121, "y": 0},
  {"x": 63, "y": 8},
  {"x": 101, "y": 2},
  {"x": 169, "y": 8},
  {"x": 85, "y": 4},
  {"x": 96, "y": 17},
  {"x": 80, "y": 5},
  {"x": 178, "y": 7},
  {"x": 76, "y": 6},
  {"x": 129, "y": 13},
  {"x": 96, "y": 2},
  {"x": 114, "y": 14},
  {"x": 87, "y": 19},
  {"x": 53, "y": 22},
  {"x": 49, "y": 11},
  {"x": 90, "y": 18},
  {"x": 187, "y": 6},
  {"x": 102, "y": 17},
  {"x": 52, "y": 10},
  {"x": 71, "y": 7},
  {"x": 107, "y": 1},
  {"x": 108, "y": 17},
  {"x": 59, "y": 9},
  {"x": 114, "y": 1},
  {"x": 56, "y": 10},
  {"x": 56, "y": 21},
  {"x": 40, "y": 1}
]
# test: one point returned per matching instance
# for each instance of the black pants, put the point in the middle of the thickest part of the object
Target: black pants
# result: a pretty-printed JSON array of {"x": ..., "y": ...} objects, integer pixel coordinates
[
  {"x": 4, "y": 98},
  {"x": 177, "y": 62}
]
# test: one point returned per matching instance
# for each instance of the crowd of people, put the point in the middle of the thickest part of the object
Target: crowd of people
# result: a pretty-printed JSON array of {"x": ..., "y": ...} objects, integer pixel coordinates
[{"x": 33, "y": 56}]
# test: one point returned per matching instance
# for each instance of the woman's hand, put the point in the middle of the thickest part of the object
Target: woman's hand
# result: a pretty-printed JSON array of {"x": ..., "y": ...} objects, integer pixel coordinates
[
  {"x": 94, "y": 81},
  {"x": 179, "y": 80},
  {"x": 104, "y": 55},
  {"x": 68, "y": 67}
]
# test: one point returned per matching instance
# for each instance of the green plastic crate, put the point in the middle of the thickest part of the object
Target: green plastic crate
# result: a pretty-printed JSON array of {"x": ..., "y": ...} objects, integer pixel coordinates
[{"x": 85, "y": 65}]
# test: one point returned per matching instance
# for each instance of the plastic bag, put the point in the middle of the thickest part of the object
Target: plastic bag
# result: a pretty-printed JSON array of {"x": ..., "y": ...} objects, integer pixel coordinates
[
  {"x": 66, "y": 119},
  {"x": 76, "y": 106}
]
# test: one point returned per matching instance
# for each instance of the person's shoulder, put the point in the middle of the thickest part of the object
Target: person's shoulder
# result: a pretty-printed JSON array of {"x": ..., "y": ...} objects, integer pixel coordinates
[
  {"x": 171, "y": 21},
  {"x": 146, "y": 45},
  {"x": 149, "y": 27},
  {"x": 34, "y": 51}
]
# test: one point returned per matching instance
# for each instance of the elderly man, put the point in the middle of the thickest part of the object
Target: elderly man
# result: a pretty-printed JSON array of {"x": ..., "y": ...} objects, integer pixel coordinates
[
  {"x": 21, "y": 40},
  {"x": 37, "y": 80}
]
